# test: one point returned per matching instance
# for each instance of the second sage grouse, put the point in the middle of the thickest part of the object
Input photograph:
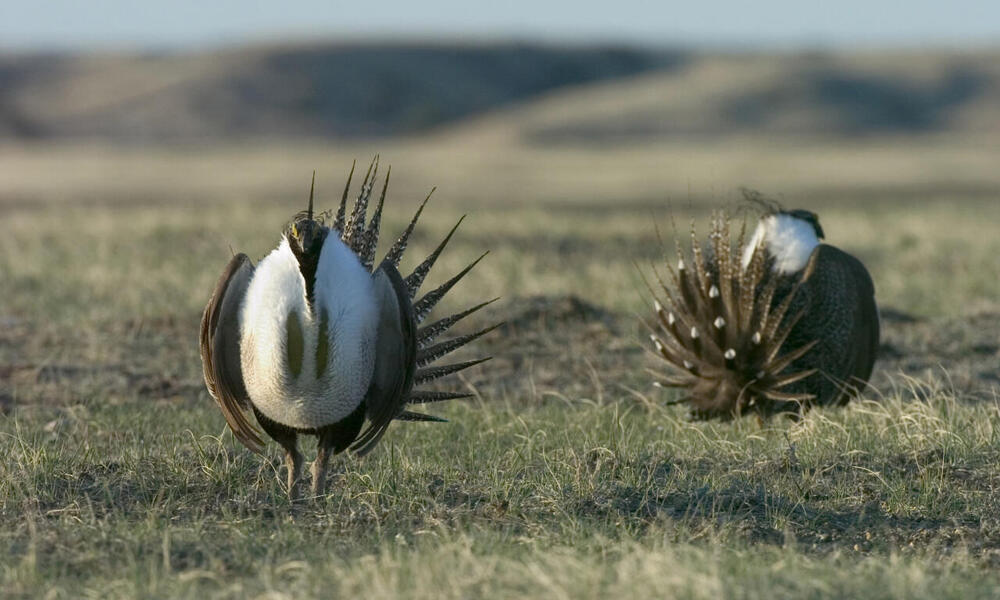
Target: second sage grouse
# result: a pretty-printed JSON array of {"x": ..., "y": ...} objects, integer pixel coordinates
[
  {"x": 774, "y": 325},
  {"x": 319, "y": 339}
]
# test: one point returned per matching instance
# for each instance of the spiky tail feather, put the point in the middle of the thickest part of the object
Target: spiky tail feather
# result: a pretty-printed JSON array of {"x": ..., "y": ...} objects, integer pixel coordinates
[
  {"x": 428, "y": 351},
  {"x": 721, "y": 333},
  {"x": 363, "y": 240}
]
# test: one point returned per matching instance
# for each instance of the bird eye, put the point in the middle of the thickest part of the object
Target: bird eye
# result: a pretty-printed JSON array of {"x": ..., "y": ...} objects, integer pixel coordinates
[{"x": 295, "y": 231}]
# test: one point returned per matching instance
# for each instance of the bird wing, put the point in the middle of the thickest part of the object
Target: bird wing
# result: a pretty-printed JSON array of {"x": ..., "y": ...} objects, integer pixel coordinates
[
  {"x": 220, "y": 350},
  {"x": 395, "y": 356},
  {"x": 845, "y": 278}
]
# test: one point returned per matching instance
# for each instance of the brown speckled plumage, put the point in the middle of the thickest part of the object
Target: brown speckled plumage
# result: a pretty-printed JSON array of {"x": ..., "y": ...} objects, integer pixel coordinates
[
  {"x": 746, "y": 338},
  {"x": 838, "y": 299}
]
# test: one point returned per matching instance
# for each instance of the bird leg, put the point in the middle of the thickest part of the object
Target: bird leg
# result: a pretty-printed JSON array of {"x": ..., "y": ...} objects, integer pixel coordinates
[
  {"x": 293, "y": 461},
  {"x": 334, "y": 439},
  {"x": 319, "y": 468}
]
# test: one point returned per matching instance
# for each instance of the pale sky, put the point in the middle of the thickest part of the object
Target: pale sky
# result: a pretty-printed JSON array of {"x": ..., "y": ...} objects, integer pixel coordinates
[{"x": 136, "y": 24}]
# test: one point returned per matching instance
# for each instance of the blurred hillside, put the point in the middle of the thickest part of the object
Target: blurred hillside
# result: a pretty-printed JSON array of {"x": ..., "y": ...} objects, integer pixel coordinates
[
  {"x": 549, "y": 94},
  {"x": 851, "y": 95},
  {"x": 359, "y": 90}
]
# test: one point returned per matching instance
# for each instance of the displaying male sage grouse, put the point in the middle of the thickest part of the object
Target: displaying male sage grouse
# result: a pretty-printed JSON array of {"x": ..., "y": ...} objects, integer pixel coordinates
[
  {"x": 313, "y": 340},
  {"x": 775, "y": 325}
]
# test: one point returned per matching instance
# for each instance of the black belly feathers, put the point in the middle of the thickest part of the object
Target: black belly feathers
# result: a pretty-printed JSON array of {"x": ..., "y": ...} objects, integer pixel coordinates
[{"x": 745, "y": 339}]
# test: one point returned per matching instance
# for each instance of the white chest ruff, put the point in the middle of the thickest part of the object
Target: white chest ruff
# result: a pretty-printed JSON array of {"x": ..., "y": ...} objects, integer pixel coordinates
[
  {"x": 790, "y": 241},
  {"x": 313, "y": 397}
]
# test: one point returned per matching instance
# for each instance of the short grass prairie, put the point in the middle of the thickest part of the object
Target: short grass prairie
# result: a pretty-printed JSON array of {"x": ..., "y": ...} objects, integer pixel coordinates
[{"x": 567, "y": 475}]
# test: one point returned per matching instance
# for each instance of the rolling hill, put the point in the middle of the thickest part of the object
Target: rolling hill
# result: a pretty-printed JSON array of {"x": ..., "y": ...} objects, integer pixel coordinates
[
  {"x": 773, "y": 97},
  {"x": 546, "y": 94},
  {"x": 324, "y": 91}
]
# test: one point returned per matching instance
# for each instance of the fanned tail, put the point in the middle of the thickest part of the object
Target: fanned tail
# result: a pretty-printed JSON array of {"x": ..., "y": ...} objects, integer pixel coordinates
[
  {"x": 415, "y": 279},
  {"x": 370, "y": 239},
  {"x": 353, "y": 234},
  {"x": 363, "y": 240},
  {"x": 428, "y": 350},
  {"x": 428, "y": 333},
  {"x": 716, "y": 329},
  {"x": 407, "y": 415},
  {"x": 396, "y": 252},
  {"x": 338, "y": 222}
]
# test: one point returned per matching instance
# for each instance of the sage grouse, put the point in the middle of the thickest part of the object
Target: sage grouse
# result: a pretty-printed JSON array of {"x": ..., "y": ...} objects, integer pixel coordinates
[
  {"x": 313, "y": 340},
  {"x": 775, "y": 325}
]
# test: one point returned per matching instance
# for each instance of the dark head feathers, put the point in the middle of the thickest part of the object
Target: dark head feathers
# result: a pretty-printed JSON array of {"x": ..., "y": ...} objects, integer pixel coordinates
[
  {"x": 809, "y": 217},
  {"x": 769, "y": 206},
  {"x": 721, "y": 332}
]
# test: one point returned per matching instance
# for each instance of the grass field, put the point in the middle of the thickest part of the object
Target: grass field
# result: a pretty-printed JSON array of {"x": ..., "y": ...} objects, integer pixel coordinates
[{"x": 566, "y": 476}]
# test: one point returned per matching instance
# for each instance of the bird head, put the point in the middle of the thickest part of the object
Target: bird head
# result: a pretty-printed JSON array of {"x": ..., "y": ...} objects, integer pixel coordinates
[
  {"x": 789, "y": 236},
  {"x": 808, "y": 216},
  {"x": 306, "y": 234}
]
